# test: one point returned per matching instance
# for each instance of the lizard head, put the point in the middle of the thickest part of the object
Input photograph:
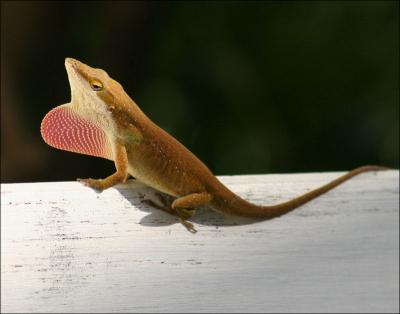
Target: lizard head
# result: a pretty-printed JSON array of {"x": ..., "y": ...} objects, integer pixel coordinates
[
  {"x": 85, "y": 125},
  {"x": 95, "y": 93},
  {"x": 92, "y": 89},
  {"x": 98, "y": 111}
]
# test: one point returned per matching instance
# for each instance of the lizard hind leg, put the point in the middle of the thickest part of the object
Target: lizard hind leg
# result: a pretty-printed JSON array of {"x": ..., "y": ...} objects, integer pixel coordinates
[
  {"x": 166, "y": 206},
  {"x": 183, "y": 207}
]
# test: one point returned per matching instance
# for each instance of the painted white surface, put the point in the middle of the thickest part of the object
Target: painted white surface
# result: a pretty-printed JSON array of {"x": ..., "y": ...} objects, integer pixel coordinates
[{"x": 66, "y": 248}]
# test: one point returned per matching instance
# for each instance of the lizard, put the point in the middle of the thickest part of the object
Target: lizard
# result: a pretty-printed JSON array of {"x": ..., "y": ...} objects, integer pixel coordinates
[{"x": 102, "y": 120}]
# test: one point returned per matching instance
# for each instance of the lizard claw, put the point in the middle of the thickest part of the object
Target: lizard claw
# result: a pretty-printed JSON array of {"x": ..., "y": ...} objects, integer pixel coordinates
[{"x": 189, "y": 226}]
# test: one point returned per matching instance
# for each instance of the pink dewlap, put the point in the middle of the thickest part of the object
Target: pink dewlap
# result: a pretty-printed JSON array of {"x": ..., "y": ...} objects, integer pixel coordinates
[{"x": 64, "y": 129}]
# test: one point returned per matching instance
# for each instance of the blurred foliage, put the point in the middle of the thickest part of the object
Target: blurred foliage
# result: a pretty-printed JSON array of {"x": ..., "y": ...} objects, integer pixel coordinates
[{"x": 249, "y": 87}]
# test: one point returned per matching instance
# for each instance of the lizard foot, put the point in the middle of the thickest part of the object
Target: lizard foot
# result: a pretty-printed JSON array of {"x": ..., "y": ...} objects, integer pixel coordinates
[{"x": 183, "y": 215}]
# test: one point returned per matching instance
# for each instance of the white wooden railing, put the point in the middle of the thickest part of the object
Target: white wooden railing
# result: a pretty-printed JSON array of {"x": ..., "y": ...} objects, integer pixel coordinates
[{"x": 66, "y": 248}]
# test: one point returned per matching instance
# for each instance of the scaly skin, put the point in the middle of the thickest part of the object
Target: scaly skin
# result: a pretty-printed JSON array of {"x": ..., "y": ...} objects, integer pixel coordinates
[{"x": 102, "y": 120}]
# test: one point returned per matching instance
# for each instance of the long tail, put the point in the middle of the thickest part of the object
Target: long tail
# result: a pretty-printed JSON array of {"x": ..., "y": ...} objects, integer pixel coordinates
[{"x": 227, "y": 202}]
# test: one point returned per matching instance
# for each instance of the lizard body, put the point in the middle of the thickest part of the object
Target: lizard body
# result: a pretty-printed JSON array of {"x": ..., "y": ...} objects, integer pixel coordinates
[{"x": 103, "y": 121}]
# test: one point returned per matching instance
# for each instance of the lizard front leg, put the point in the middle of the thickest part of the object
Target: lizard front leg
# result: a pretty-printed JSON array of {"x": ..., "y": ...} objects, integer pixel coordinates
[{"x": 119, "y": 176}]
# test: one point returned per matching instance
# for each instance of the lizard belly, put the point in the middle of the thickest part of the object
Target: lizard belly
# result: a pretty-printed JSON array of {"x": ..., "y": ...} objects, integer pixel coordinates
[{"x": 146, "y": 178}]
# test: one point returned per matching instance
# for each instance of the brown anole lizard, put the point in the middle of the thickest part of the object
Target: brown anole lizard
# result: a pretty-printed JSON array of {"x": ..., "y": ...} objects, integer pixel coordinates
[{"x": 102, "y": 120}]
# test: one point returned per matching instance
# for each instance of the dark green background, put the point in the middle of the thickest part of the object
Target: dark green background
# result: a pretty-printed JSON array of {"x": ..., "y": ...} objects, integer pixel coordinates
[{"x": 249, "y": 87}]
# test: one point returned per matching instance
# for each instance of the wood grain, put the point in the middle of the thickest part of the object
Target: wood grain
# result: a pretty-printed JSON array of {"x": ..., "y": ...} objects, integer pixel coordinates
[{"x": 66, "y": 248}]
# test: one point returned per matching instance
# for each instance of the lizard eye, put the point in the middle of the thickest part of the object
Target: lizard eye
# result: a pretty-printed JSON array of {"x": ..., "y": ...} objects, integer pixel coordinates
[{"x": 96, "y": 85}]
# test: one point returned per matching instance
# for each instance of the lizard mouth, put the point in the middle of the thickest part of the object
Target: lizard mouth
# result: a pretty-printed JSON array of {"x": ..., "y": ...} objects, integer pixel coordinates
[
  {"x": 79, "y": 78},
  {"x": 75, "y": 71}
]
